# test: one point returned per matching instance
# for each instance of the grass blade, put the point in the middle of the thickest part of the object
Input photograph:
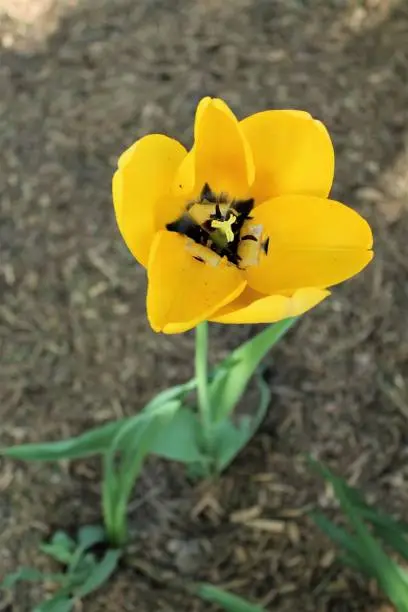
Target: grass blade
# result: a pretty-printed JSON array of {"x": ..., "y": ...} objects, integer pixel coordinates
[
  {"x": 228, "y": 601},
  {"x": 394, "y": 538},
  {"x": 342, "y": 538},
  {"x": 390, "y": 577}
]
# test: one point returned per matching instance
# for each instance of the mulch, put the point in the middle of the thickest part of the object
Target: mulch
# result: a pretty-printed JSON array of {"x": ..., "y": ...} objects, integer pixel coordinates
[{"x": 80, "y": 80}]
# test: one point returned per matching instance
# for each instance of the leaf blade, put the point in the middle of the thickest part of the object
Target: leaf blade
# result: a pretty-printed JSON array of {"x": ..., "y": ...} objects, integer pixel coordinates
[
  {"x": 92, "y": 442},
  {"x": 180, "y": 440},
  {"x": 227, "y": 388},
  {"x": 134, "y": 441},
  {"x": 390, "y": 577},
  {"x": 58, "y": 603},
  {"x": 100, "y": 574},
  {"x": 230, "y": 439}
]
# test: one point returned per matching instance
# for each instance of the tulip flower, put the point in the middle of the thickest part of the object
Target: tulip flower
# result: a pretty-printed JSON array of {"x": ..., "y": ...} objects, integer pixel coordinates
[{"x": 240, "y": 228}]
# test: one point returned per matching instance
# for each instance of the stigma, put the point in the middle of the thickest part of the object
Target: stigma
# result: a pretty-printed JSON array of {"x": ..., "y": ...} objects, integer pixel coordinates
[{"x": 224, "y": 226}]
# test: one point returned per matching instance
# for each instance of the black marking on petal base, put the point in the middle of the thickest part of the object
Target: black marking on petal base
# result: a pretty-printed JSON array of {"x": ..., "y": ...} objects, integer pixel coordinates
[
  {"x": 265, "y": 246},
  {"x": 243, "y": 207},
  {"x": 203, "y": 234},
  {"x": 181, "y": 226},
  {"x": 250, "y": 237},
  {"x": 218, "y": 213},
  {"x": 187, "y": 227},
  {"x": 207, "y": 194}
]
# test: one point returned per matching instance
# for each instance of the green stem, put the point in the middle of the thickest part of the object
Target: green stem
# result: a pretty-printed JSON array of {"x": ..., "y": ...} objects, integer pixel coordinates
[{"x": 201, "y": 369}]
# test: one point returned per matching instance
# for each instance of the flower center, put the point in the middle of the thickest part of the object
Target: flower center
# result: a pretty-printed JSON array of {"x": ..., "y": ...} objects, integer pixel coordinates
[{"x": 215, "y": 223}]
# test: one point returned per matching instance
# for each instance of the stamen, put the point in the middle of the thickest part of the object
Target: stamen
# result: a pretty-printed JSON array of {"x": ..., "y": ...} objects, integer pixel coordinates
[
  {"x": 202, "y": 212},
  {"x": 250, "y": 246}
]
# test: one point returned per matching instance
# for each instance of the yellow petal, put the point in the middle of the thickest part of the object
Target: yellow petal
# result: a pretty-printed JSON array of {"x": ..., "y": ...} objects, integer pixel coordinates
[
  {"x": 312, "y": 243},
  {"x": 183, "y": 291},
  {"x": 254, "y": 307},
  {"x": 222, "y": 156},
  {"x": 293, "y": 154},
  {"x": 185, "y": 178},
  {"x": 143, "y": 180}
]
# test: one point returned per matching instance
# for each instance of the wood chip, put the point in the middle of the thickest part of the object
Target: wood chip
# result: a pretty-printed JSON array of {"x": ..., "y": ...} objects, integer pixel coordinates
[
  {"x": 267, "y": 525},
  {"x": 293, "y": 532},
  {"x": 327, "y": 559},
  {"x": 243, "y": 516}
]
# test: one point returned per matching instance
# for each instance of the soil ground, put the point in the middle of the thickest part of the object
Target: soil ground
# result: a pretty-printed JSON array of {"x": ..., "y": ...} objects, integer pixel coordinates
[{"x": 79, "y": 81}]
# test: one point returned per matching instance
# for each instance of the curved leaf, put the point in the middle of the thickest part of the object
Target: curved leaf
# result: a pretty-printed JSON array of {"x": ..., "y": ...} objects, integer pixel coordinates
[{"x": 227, "y": 388}]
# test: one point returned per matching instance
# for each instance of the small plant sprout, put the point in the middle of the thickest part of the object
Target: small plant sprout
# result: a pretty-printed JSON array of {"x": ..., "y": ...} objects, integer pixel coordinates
[{"x": 84, "y": 568}]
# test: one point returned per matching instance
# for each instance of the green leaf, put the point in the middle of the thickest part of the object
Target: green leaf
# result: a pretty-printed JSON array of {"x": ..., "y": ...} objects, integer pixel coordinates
[
  {"x": 60, "y": 548},
  {"x": 58, "y": 603},
  {"x": 228, "y": 386},
  {"x": 344, "y": 540},
  {"x": 386, "y": 571},
  {"x": 135, "y": 449},
  {"x": 62, "y": 539},
  {"x": 134, "y": 441},
  {"x": 394, "y": 537},
  {"x": 26, "y": 574},
  {"x": 229, "y": 602},
  {"x": 100, "y": 574},
  {"x": 177, "y": 392},
  {"x": 361, "y": 545},
  {"x": 387, "y": 528},
  {"x": 388, "y": 574},
  {"x": 94, "y": 441},
  {"x": 59, "y": 553},
  {"x": 88, "y": 536},
  {"x": 179, "y": 441},
  {"x": 230, "y": 439}
]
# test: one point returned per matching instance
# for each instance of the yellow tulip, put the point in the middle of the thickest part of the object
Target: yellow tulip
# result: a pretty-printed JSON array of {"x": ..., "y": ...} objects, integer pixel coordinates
[{"x": 240, "y": 228}]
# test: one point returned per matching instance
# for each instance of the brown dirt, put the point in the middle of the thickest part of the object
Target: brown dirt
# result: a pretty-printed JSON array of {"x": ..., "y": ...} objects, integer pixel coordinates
[{"x": 80, "y": 80}]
